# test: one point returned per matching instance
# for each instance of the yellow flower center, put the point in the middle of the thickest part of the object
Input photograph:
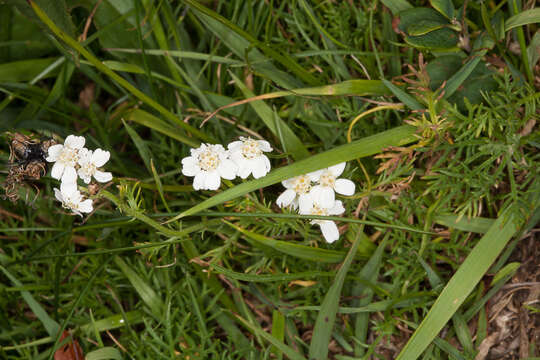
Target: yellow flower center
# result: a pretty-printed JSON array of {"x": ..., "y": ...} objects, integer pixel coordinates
[
  {"x": 327, "y": 179},
  {"x": 302, "y": 184},
  {"x": 251, "y": 149},
  {"x": 69, "y": 156},
  {"x": 319, "y": 211},
  {"x": 88, "y": 168},
  {"x": 209, "y": 160}
]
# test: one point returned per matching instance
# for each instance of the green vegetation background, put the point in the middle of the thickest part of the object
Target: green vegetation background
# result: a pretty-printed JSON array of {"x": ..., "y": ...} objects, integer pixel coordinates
[{"x": 434, "y": 104}]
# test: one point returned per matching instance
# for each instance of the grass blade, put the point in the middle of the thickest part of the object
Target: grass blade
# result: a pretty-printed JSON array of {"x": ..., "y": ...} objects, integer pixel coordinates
[
  {"x": 291, "y": 143},
  {"x": 324, "y": 325},
  {"x": 291, "y": 353},
  {"x": 369, "y": 272},
  {"x": 296, "y": 250},
  {"x": 459, "y": 77},
  {"x": 463, "y": 282},
  {"x": 104, "y": 353},
  {"x": 147, "y": 294},
  {"x": 51, "y": 326},
  {"x": 146, "y": 119},
  {"x": 26, "y": 70},
  {"x": 531, "y": 16},
  {"x": 476, "y": 225},
  {"x": 403, "y": 96},
  {"x": 144, "y": 152}
]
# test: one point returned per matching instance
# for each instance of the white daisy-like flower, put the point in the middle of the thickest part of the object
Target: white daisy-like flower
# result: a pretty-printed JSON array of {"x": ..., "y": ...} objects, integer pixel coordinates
[
  {"x": 72, "y": 199},
  {"x": 329, "y": 228},
  {"x": 89, "y": 161},
  {"x": 298, "y": 192},
  {"x": 65, "y": 158},
  {"x": 208, "y": 164},
  {"x": 249, "y": 157},
  {"x": 328, "y": 184}
]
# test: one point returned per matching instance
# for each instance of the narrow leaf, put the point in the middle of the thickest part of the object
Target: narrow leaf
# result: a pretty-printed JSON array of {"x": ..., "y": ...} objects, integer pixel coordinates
[
  {"x": 146, "y": 119},
  {"x": 291, "y": 143},
  {"x": 459, "y": 77},
  {"x": 476, "y": 225},
  {"x": 324, "y": 325},
  {"x": 286, "y": 247},
  {"x": 526, "y": 17},
  {"x": 51, "y": 326},
  {"x": 106, "y": 353},
  {"x": 147, "y": 294},
  {"x": 405, "y": 98},
  {"x": 144, "y": 152},
  {"x": 291, "y": 353},
  {"x": 462, "y": 283}
]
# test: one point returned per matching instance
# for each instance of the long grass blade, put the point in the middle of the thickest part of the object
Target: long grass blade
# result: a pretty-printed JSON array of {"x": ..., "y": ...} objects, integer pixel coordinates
[
  {"x": 324, "y": 325},
  {"x": 463, "y": 282}
]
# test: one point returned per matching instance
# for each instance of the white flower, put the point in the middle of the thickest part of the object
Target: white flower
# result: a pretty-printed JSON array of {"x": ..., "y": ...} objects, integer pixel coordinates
[
  {"x": 298, "y": 192},
  {"x": 72, "y": 199},
  {"x": 89, "y": 161},
  {"x": 248, "y": 156},
  {"x": 329, "y": 228},
  {"x": 209, "y": 163},
  {"x": 65, "y": 158},
  {"x": 323, "y": 193}
]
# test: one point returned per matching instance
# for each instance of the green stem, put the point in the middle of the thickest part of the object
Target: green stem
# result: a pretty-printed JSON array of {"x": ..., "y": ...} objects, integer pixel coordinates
[{"x": 523, "y": 48}]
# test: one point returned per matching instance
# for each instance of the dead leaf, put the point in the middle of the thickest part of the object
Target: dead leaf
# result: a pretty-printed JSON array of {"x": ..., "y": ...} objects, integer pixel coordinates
[{"x": 70, "y": 351}]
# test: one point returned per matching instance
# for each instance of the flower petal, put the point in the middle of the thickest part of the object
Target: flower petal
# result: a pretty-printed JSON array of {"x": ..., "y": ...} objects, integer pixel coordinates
[
  {"x": 75, "y": 142},
  {"x": 264, "y": 145},
  {"x": 315, "y": 175},
  {"x": 259, "y": 167},
  {"x": 212, "y": 180},
  {"x": 305, "y": 203},
  {"x": 57, "y": 170},
  {"x": 244, "y": 168},
  {"x": 69, "y": 175},
  {"x": 288, "y": 183},
  {"x": 190, "y": 166},
  {"x": 68, "y": 189},
  {"x": 102, "y": 176},
  {"x": 329, "y": 230},
  {"x": 323, "y": 196},
  {"x": 100, "y": 157},
  {"x": 198, "y": 181},
  {"x": 344, "y": 187},
  {"x": 85, "y": 206},
  {"x": 227, "y": 169},
  {"x": 337, "y": 170},
  {"x": 286, "y": 198},
  {"x": 58, "y": 195},
  {"x": 54, "y": 152},
  {"x": 235, "y": 145},
  {"x": 337, "y": 209},
  {"x": 84, "y": 176}
]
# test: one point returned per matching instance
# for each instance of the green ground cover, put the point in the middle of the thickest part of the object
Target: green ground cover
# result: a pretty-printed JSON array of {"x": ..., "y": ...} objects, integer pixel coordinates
[{"x": 432, "y": 104}]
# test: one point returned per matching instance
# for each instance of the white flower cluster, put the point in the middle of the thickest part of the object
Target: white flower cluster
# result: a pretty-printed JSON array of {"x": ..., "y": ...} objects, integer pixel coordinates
[
  {"x": 314, "y": 194},
  {"x": 72, "y": 159},
  {"x": 209, "y": 163},
  {"x": 310, "y": 194}
]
